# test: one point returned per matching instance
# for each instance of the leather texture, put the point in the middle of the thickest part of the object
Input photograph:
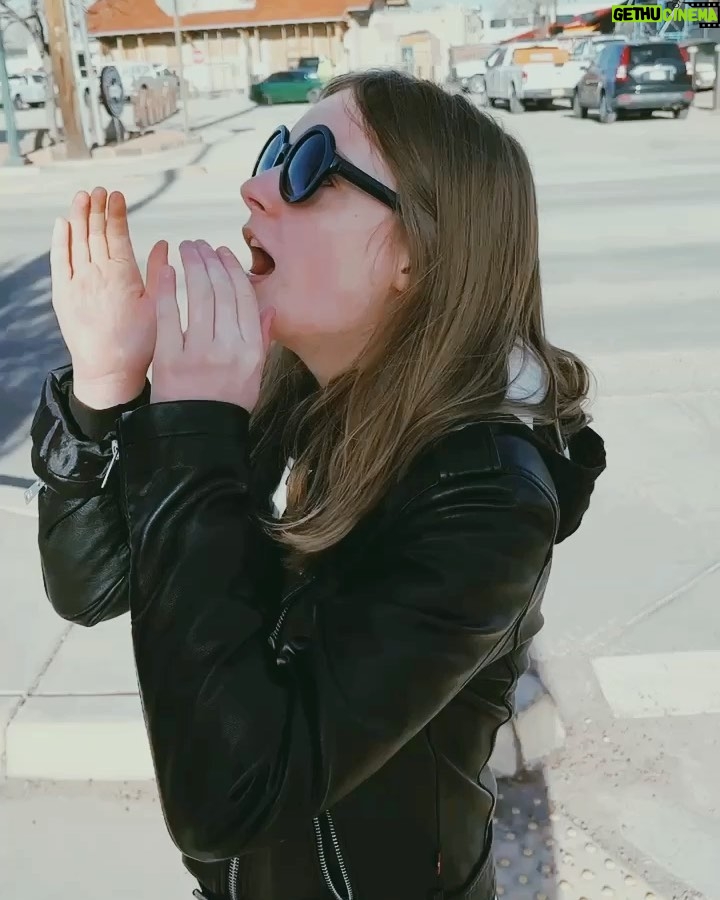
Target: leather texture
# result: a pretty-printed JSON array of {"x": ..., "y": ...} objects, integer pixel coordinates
[{"x": 335, "y": 729}]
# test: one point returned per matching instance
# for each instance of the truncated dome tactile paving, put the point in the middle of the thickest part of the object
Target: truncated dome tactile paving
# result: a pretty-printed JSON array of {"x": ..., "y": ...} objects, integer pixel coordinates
[{"x": 542, "y": 855}]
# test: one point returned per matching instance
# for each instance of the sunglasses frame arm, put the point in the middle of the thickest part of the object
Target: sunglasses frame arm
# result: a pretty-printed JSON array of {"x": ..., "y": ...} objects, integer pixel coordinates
[{"x": 362, "y": 180}]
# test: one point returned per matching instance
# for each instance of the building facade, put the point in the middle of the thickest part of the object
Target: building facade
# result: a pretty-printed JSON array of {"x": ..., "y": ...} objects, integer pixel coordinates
[{"x": 228, "y": 49}]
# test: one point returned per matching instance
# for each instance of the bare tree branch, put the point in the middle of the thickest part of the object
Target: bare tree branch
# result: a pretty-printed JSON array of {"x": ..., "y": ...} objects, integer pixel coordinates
[
  {"x": 32, "y": 23},
  {"x": 15, "y": 16}
]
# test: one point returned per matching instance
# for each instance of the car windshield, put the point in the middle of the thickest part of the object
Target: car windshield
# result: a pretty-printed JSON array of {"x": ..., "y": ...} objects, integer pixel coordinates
[{"x": 651, "y": 54}]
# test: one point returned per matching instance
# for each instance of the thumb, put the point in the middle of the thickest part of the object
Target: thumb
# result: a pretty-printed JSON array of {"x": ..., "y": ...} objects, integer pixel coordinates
[
  {"x": 157, "y": 260},
  {"x": 266, "y": 321}
]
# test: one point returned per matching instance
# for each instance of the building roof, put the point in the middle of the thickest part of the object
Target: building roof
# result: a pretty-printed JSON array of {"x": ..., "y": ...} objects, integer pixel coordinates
[{"x": 116, "y": 17}]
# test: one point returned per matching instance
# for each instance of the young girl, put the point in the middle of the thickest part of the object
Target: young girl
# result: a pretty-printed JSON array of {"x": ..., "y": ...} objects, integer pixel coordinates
[{"x": 332, "y": 516}]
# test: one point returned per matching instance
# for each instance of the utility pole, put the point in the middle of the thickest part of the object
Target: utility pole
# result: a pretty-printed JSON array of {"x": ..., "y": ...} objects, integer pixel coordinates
[
  {"x": 61, "y": 52},
  {"x": 14, "y": 157},
  {"x": 78, "y": 16},
  {"x": 181, "y": 70}
]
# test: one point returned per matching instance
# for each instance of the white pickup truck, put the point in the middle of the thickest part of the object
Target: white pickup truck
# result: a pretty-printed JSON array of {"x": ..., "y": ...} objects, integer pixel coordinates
[
  {"x": 533, "y": 73},
  {"x": 27, "y": 89}
]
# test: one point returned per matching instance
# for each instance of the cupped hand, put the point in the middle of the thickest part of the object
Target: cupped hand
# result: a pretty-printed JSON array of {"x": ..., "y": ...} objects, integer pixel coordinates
[
  {"x": 221, "y": 354},
  {"x": 105, "y": 311}
]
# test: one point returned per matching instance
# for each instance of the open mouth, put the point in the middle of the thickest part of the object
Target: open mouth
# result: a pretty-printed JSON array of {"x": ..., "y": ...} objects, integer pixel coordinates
[{"x": 262, "y": 262}]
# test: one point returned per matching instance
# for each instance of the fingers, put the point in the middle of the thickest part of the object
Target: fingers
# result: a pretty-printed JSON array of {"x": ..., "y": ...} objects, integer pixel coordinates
[
  {"x": 156, "y": 260},
  {"x": 96, "y": 227},
  {"x": 247, "y": 308},
  {"x": 200, "y": 296},
  {"x": 169, "y": 338},
  {"x": 79, "y": 250},
  {"x": 118, "y": 233},
  {"x": 226, "y": 321},
  {"x": 60, "y": 268}
]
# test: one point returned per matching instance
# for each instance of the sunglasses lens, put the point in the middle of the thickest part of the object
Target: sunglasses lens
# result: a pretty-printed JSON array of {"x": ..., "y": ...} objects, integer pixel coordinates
[
  {"x": 305, "y": 165},
  {"x": 269, "y": 156}
]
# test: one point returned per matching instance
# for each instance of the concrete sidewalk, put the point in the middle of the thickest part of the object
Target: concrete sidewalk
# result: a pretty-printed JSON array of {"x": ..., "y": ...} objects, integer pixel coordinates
[
  {"x": 629, "y": 654},
  {"x": 69, "y": 705},
  {"x": 68, "y": 696}
]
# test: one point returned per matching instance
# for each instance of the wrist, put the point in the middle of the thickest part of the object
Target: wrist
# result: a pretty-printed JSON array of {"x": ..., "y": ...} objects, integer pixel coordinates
[{"x": 106, "y": 393}]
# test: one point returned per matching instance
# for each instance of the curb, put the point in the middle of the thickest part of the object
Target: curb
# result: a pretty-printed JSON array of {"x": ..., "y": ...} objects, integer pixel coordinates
[
  {"x": 109, "y": 155},
  {"x": 103, "y": 738},
  {"x": 59, "y": 730},
  {"x": 535, "y": 731},
  {"x": 12, "y": 499}
]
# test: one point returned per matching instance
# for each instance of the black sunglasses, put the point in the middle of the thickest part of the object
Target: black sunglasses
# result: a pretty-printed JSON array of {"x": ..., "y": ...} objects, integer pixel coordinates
[{"x": 310, "y": 161}]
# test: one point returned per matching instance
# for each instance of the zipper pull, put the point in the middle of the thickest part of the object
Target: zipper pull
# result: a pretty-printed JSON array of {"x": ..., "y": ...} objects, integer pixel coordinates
[
  {"x": 115, "y": 455},
  {"x": 34, "y": 489}
]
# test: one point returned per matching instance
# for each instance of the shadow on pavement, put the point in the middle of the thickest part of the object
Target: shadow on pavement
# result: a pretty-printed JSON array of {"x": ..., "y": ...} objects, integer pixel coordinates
[
  {"x": 524, "y": 842},
  {"x": 543, "y": 854},
  {"x": 30, "y": 345},
  {"x": 220, "y": 119},
  {"x": 30, "y": 340},
  {"x": 20, "y": 131}
]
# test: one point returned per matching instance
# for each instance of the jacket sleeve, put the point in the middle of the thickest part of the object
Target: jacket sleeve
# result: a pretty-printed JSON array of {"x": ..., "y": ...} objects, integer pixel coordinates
[
  {"x": 82, "y": 532},
  {"x": 247, "y": 752}
]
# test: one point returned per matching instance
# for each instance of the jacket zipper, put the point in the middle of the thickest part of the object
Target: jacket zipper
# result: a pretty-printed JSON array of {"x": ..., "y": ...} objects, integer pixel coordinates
[
  {"x": 319, "y": 843},
  {"x": 34, "y": 489},
  {"x": 322, "y": 858},
  {"x": 37, "y": 486},
  {"x": 233, "y": 877},
  {"x": 287, "y": 603},
  {"x": 115, "y": 449},
  {"x": 234, "y": 866}
]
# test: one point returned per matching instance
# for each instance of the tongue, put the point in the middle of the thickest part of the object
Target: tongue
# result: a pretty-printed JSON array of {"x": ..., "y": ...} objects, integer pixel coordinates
[{"x": 262, "y": 262}]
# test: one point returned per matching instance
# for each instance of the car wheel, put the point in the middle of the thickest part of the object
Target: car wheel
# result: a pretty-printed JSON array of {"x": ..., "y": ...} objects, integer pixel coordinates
[
  {"x": 681, "y": 113},
  {"x": 115, "y": 132},
  {"x": 314, "y": 95},
  {"x": 607, "y": 115},
  {"x": 516, "y": 105},
  {"x": 579, "y": 111}
]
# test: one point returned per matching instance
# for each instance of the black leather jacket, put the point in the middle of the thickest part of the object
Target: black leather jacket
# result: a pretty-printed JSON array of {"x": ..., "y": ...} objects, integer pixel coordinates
[{"x": 330, "y": 739}]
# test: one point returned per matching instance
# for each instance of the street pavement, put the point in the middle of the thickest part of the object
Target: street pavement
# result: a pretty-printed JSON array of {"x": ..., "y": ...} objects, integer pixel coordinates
[{"x": 630, "y": 805}]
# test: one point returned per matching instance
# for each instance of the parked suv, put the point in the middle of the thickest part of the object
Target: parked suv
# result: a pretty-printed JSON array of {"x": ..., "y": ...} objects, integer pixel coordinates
[
  {"x": 587, "y": 50},
  {"x": 638, "y": 76}
]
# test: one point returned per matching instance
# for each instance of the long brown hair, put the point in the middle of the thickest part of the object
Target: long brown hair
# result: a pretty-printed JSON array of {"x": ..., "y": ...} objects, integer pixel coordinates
[{"x": 468, "y": 215}]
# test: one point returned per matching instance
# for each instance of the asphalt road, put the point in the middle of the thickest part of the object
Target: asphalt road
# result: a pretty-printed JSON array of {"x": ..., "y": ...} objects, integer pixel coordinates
[{"x": 629, "y": 248}]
